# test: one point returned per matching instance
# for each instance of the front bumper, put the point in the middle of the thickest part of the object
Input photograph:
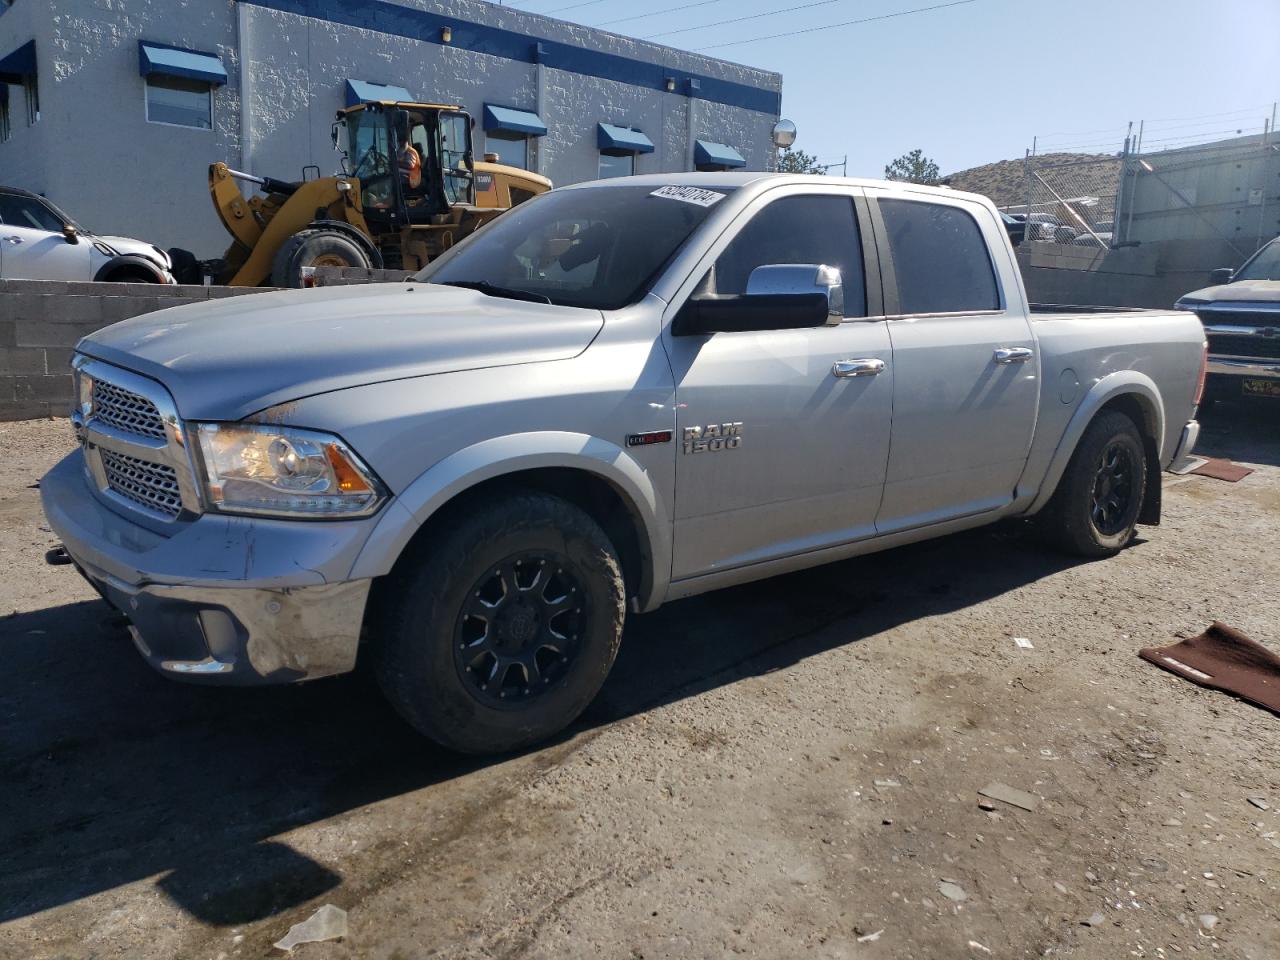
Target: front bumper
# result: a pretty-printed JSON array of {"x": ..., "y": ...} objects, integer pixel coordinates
[{"x": 235, "y": 600}]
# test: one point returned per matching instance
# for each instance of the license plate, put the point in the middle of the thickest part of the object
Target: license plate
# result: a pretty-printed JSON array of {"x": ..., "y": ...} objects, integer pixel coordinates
[{"x": 1260, "y": 388}]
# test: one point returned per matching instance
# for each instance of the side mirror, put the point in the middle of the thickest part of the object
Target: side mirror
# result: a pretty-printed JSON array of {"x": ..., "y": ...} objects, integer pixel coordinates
[
  {"x": 1220, "y": 276},
  {"x": 70, "y": 233},
  {"x": 783, "y": 296}
]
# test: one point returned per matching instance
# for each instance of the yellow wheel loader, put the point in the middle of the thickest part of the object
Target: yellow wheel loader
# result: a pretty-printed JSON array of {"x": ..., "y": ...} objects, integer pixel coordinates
[{"x": 413, "y": 191}]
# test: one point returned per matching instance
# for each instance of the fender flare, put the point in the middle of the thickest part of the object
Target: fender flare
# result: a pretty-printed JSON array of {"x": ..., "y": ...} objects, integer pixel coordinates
[
  {"x": 352, "y": 233},
  {"x": 501, "y": 456},
  {"x": 132, "y": 261},
  {"x": 1113, "y": 385}
]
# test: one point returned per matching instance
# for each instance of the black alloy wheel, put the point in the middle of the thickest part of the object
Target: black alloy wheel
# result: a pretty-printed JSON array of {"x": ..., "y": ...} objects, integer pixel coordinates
[
  {"x": 518, "y": 633},
  {"x": 1113, "y": 489}
]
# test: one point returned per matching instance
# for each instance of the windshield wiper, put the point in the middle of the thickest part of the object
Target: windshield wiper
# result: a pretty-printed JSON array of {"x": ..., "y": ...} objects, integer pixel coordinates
[{"x": 493, "y": 290}]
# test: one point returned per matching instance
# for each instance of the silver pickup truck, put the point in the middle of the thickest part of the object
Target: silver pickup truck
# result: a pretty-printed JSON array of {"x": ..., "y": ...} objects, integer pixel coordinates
[{"x": 617, "y": 395}]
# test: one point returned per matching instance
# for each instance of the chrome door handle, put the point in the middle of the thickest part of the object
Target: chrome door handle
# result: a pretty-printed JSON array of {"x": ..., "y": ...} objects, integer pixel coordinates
[
  {"x": 857, "y": 368},
  {"x": 14, "y": 239},
  {"x": 1013, "y": 355}
]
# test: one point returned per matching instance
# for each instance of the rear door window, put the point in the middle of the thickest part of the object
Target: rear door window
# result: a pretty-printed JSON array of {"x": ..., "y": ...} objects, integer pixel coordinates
[
  {"x": 820, "y": 229},
  {"x": 940, "y": 258}
]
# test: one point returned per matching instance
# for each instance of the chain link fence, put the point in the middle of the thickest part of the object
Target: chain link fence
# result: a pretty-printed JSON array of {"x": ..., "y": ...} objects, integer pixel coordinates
[{"x": 1069, "y": 201}]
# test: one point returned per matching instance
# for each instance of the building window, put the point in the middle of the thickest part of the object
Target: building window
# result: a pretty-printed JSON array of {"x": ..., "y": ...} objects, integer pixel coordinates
[
  {"x": 182, "y": 102},
  {"x": 511, "y": 148},
  {"x": 618, "y": 148},
  {"x": 617, "y": 165},
  {"x": 32, "y": 91}
]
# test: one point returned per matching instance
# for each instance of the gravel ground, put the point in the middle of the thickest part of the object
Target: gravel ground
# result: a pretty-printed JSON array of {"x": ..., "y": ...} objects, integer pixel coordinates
[{"x": 781, "y": 770}]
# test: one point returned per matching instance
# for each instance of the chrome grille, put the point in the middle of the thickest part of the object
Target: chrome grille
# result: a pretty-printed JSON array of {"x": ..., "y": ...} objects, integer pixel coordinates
[
  {"x": 126, "y": 411},
  {"x": 152, "y": 485}
]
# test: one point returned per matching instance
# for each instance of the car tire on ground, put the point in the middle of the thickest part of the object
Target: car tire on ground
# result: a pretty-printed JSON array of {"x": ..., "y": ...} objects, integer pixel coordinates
[
  {"x": 1096, "y": 506},
  {"x": 314, "y": 248},
  {"x": 499, "y": 631}
]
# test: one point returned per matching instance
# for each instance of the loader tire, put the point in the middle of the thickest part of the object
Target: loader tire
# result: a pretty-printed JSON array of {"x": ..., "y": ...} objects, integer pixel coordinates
[{"x": 314, "y": 248}]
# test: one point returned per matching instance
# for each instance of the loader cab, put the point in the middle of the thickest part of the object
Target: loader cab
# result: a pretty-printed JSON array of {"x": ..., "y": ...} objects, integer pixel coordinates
[{"x": 372, "y": 137}]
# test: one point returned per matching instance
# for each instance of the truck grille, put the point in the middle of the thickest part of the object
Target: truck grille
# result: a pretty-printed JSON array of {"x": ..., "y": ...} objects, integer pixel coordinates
[
  {"x": 126, "y": 411},
  {"x": 152, "y": 485},
  {"x": 1240, "y": 318},
  {"x": 1226, "y": 345}
]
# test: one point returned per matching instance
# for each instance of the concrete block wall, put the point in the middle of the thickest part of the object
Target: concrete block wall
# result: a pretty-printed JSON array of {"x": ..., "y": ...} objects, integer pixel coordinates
[{"x": 42, "y": 320}]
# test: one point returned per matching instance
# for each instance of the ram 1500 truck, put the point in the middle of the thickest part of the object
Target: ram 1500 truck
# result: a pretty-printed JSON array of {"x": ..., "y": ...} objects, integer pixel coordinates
[{"x": 614, "y": 396}]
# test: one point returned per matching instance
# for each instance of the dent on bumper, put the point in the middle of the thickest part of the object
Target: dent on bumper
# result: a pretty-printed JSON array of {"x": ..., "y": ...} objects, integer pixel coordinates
[{"x": 223, "y": 599}]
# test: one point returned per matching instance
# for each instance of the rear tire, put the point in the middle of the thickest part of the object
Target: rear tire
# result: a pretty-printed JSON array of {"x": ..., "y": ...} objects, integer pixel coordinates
[
  {"x": 1099, "y": 498},
  {"x": 499, "y": 631},
  {"x": 314, "y": 248}
]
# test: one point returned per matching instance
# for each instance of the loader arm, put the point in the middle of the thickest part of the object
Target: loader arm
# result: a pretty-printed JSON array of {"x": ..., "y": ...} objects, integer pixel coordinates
[{"x": 260, "y": 226}]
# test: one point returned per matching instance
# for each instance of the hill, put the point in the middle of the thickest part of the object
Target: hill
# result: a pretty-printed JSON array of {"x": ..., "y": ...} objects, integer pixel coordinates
[{"x": 1088, "y": 174}]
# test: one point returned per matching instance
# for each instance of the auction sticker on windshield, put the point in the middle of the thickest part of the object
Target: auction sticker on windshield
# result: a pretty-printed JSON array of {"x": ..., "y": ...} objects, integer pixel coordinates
[{"x": 696, "y": 195}]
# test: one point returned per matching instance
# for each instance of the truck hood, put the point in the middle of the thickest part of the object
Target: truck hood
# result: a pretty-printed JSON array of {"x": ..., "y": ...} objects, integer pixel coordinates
[
  {"x": 225, "y": 359},
  {"x": 1255, "y": 291}
]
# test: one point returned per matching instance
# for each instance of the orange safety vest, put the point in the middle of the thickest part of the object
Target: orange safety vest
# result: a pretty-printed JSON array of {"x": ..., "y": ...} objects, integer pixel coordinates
[{"x": 411, "y": 166}]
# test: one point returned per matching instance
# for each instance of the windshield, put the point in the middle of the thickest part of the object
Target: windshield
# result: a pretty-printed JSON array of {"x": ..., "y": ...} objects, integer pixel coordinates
[
  {"x": 371, "y": 153},
  {"x": 599, "y": 247},
  {"x": 1265, "y": 264}
]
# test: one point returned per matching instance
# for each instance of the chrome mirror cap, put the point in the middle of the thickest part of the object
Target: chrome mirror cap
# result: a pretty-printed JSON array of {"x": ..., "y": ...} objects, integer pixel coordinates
[{"x": 800, "y": 278}]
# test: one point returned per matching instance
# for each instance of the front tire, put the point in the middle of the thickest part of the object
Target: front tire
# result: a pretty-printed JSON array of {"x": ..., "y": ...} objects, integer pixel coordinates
[
  {"x": 502, "y": 628},
  {"x": 314, "y": 248},
  {"x": 1095, "y": 509}
]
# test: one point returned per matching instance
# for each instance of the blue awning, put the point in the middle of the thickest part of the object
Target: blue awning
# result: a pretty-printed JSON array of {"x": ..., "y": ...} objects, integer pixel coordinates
[
  {"x": 20, "y": 64},
  {"x": 517, "y": 121},
  {"x": 158, "y": 60},
  {"x": 362, "y": 91},
  {"x": 708, "y": 153},
  {"x": 609, "y": 137}
]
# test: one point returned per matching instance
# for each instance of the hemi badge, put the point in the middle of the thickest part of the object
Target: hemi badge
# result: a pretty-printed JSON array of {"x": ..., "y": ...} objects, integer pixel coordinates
[{"x": 644, "y": 439}]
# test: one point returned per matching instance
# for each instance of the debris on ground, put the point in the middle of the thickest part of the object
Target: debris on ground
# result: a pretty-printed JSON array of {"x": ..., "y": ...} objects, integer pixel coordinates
[
  {"x": 1023, "y": 643},
  {"x": 952, "y": 890},
  {"x": 870, "y": 937},
  {"x": 975, "y": 945},
  {"x": 1010, "y": 795},
  {"x": 1221, "y": 469},
  {"x": 1208, "y": 921},
  {"x": 1223, "y": 658},
  {"x": 1094, "y": 920},
  {"x": 888, "y": 783},
  {"x": 327, "y": 923},
  {"x": 1259, "y": 802}
]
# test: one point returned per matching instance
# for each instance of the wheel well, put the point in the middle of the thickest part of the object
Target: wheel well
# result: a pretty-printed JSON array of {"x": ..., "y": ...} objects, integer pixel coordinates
[
  {"x": 1137, "y": 409},
  {"x": 591, "y": 493},
  {"x": 130, "y": 275}
]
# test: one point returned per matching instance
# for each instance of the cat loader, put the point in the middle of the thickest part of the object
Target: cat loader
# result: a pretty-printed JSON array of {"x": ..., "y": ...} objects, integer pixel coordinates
[{"x": 391, "y": 210}]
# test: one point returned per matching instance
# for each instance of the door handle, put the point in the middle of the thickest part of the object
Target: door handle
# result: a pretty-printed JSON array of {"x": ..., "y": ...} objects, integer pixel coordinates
[
  {"x": 1013, "y": 355},
  {"x": 857, "y": 368},
  {"x": 14, "y": 239}
]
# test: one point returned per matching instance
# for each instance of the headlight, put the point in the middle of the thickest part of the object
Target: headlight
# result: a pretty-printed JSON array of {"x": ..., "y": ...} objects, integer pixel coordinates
[
  {"x": 84, "y": 393},
  {"x": 283, "y": 471}
]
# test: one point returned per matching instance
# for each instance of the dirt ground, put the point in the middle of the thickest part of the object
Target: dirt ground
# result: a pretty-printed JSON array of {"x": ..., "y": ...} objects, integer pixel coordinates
[{"x": 781, "y": 770}]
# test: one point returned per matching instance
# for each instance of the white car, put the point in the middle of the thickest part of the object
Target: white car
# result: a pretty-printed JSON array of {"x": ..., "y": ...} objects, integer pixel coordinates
[{"x": 40, "y": 242}]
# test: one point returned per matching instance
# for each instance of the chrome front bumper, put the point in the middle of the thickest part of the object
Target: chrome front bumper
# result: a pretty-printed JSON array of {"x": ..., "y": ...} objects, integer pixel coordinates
[
  {"x": 1243, "y": 367},
  {"x": 234, "y": 600}
]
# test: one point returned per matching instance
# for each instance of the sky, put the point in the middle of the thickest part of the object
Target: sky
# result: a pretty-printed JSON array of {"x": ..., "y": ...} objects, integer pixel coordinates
[{"x": 974, "y": 82}]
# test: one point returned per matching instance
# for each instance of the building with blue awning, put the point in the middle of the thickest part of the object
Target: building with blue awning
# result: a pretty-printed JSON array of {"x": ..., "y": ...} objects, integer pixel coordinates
[{"x": 160, "y": 89}]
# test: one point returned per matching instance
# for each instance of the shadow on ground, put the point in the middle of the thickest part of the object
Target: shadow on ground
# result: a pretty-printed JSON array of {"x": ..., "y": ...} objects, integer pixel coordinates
[
  {"x": 112, "y": 774},
  {"x": 1248, "y": 431}
]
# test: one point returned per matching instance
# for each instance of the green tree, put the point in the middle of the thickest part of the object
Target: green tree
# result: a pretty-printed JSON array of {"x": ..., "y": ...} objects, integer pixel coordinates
[
  {"x": 797, "y": 161},
  {"x": 913, "y": 167}
]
